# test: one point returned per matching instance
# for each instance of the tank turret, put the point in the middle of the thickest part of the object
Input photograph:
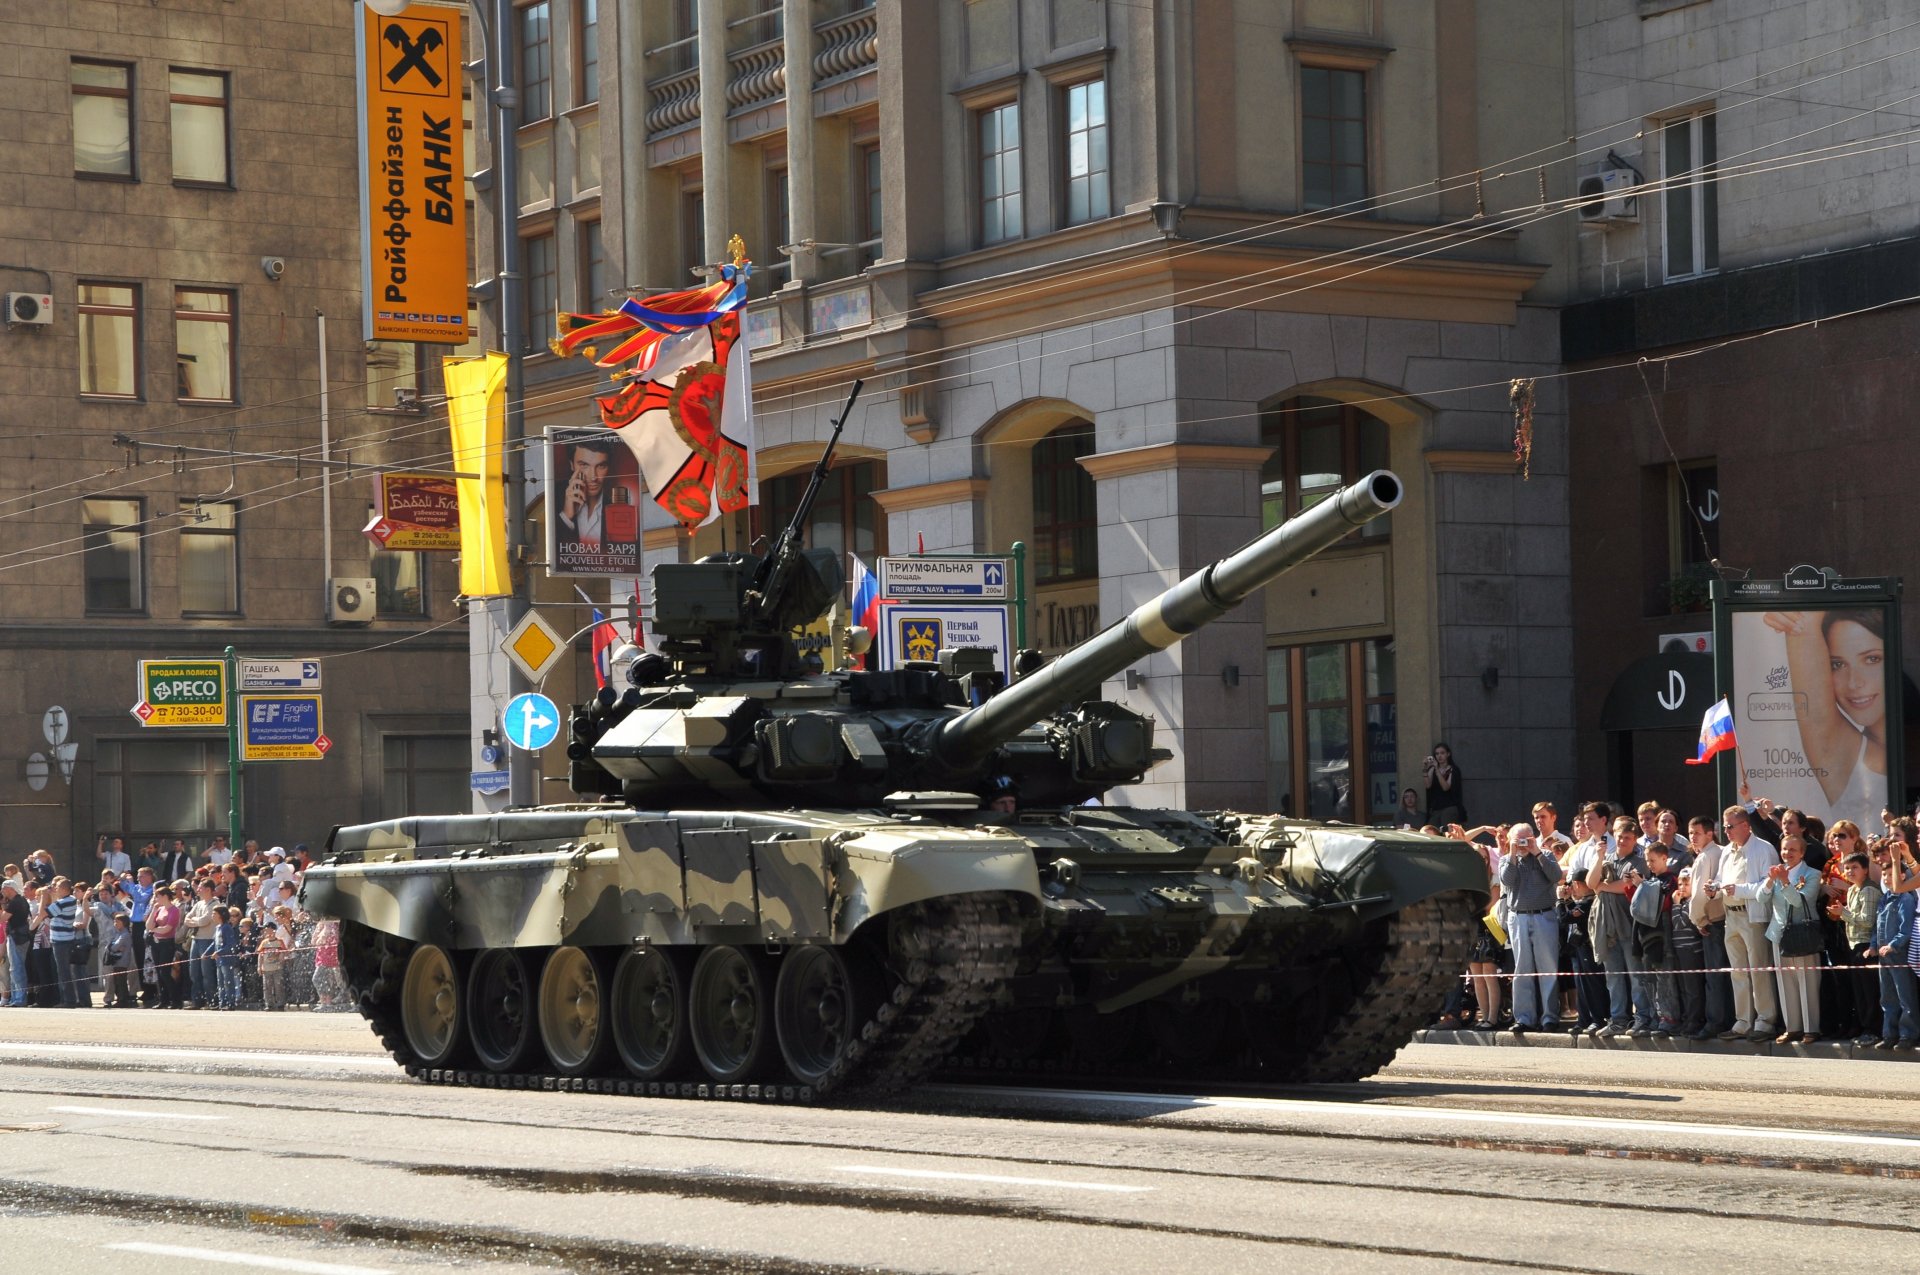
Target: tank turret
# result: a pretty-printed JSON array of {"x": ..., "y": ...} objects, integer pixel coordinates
[{"x": 729, "y": 712}]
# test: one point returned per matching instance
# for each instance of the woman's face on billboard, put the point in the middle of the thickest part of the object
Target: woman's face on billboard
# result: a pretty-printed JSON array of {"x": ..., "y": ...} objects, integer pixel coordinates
[{"x": 1858, "y": 660}]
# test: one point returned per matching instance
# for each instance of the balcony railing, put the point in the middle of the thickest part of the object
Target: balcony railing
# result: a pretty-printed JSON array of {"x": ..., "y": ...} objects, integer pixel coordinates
[
  {"x": 673, "y": 101},
  {"x": 846, "y": 45},
  {"x": 756, "y": 75}
]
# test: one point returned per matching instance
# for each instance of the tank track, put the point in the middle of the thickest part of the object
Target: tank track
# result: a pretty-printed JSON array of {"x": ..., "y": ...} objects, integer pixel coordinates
[
  {"x": 950, "y": 956},
  {"x": 1424, "y": 949}
]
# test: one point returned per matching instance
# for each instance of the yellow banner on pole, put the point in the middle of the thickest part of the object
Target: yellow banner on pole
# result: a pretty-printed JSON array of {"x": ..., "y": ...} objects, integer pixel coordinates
[
  {"x": 413, "y": 203},
  {"x": 477, "y": 413}
]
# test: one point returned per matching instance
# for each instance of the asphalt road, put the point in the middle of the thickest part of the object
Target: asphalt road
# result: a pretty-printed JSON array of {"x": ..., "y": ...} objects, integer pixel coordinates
[{"x": 171, "y": 1142}]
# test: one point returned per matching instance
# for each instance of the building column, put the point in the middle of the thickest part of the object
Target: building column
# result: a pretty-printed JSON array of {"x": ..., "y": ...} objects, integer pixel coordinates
[
  {"x": 802, "y": 218},
  {"x": 715, "y": 153},
  {"x": 1166, "y": 511}
]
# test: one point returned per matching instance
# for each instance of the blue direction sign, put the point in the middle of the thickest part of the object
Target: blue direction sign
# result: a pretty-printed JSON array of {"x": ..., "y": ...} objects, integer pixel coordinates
[
  {"x": 282, "y": 728},
  {"x": 532, "y": 722},
  {"x": 962, "y": 579}
]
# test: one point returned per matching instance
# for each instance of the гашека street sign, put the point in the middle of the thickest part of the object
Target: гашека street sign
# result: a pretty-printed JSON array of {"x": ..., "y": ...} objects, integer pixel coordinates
[
  {"x": 182, "y": 693},
  {"x": 279, "y": 675},
  {"x": 972, "y": 579}
]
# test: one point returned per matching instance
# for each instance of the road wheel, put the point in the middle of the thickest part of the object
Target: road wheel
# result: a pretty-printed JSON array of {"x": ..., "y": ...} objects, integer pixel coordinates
[
  {"x": 430, "y": 1006},
  {"x": 649, "y": 1011},
  {"x": 500, "y": 1009},
  {"x": 824, "y": 996},
  {"x": 573, "y": 1014},
  {"x": 730, "y": 1014}
]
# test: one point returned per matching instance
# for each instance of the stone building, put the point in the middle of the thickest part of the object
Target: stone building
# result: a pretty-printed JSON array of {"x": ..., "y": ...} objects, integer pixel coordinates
[
  {"x": 183, "y": 190},
  {"x": 1773, "y": 200},
  {"x": 1128, "y": 282}
]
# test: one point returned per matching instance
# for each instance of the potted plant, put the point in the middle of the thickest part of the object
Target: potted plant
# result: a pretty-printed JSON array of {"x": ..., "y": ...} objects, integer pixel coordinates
[{"x": 1688, "y": 591}]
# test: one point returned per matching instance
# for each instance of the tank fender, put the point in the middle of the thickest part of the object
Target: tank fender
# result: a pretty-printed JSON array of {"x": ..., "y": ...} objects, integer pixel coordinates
[
  {"x": 530, "y": 900},
  {"x": 1383, "y": 874},
  {"x": 874, "y": 874}
]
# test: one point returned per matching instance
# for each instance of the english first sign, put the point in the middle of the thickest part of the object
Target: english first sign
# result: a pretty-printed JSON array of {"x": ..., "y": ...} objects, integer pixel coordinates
[
  {"x": 282, "y": 728},
  {"x": 182, "y": 693}
]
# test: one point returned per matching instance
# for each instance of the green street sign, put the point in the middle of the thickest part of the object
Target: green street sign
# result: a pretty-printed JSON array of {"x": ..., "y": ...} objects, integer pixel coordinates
[{"x": 182, "y": 693}]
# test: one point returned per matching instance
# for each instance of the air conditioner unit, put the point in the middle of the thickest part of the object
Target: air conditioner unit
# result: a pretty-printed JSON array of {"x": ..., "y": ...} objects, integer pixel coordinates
[
  {"x": 1700, "y": 643},
  {"x": 350, "y": 600},
  {"x": 1607, "y": 195},
  {"x": 34, "y": 308}
]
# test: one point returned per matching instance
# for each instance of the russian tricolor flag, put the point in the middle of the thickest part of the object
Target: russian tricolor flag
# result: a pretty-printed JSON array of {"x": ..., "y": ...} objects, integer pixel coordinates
[
  {"x": 1716, "y": 734},
  {"x": 604, "y": 639},
  {"x": 866, "y": 601}
]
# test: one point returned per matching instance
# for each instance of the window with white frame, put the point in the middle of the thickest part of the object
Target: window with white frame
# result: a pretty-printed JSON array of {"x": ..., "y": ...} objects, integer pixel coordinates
[
  {"x": 1088, "y": 182},
  {"x": 999, "y": 154},
  {"x": 1689, "y": 155}
]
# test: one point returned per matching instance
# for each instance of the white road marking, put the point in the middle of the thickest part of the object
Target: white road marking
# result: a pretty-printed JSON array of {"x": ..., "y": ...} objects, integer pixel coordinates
[
  {"x": 1446, "y": 1115},
  {"x": 134, "y": 1113},
  {"x": 29, "y": 1049},
  {"x": 994, "y": 1178},
  {"x": 248, "y": 1259}
]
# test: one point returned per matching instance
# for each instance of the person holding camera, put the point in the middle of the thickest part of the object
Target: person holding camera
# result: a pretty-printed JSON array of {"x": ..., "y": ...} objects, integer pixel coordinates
[
  {"x": 1613, "y": 879},
  {"x": 1745, "y": 860},
  {"x": 1530, "y": 880},
  {"x": 1446, "y": 790}
]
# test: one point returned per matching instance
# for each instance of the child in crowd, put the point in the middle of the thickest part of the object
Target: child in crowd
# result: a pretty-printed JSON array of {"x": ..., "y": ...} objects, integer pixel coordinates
[
  {"x": 270, "y": 954},
  {"x": 226, "y": 959},
  {"x": 116, "y": 961}
]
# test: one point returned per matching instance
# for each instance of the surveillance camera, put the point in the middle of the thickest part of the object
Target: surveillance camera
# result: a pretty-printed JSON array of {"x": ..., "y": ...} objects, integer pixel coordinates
[{"x": 273, "y": 267}]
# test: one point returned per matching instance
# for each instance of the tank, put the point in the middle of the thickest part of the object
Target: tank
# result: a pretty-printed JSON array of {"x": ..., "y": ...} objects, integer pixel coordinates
[{"x": 784, "y": 883}]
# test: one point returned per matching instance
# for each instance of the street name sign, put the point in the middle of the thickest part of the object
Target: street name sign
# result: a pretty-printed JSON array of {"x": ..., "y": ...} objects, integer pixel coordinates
[
  {"x": 282, "y": 728},
  {"x": 489, "y": 781},
  {"x": 182, "y": 693},
  {"x": 279, "y": 675},
  {"x": 533, "y": 646},
  {"x": 962, "y": 579},
  {"x": 532, "y": 721}
]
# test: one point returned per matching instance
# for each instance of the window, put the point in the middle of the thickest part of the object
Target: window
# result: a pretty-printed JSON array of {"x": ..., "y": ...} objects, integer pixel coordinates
[
  {"x": 779, "y": 226},
  {"x": 1319, "y": 447},
  {"x": 203, "y": 345},
  {"x": 198, "y": 101},
  {"x": 1693, "y": 538},
  {"x": 868, "y": 168},
  {"x": 1333, "y": 137},
  {"x": 685, "y": 54},
  {"x": 542, "y": 304},
  {"x": 209, "y": 558},
  {"x": 1000, "y": 173},
  {"x": 1692, "y": 199},
  {"x": 399, "y": 583},
  {"x": 153, "y": 789},
  {"x": 594, "y": 288},
  {"x": 693, "y": 230},
  {"x": 109, "y": 339},
  {"x": 1065, "y": 523},
  {"x": 424, "y": 775},
  {"x": 534, "y": 23},
  {"x": 1089, "y": 188},
  {"x": 1313, "y": 717},
  {"x": 102, "y": 118},
  {"x": 844, "y": 519},
  {"x": 112, "y": 553},
  {"x": 586, "y": 36}
]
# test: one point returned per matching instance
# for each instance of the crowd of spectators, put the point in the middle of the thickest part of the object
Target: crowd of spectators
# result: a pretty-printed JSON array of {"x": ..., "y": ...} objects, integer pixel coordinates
[
  {"x": 167, "y": 929},
  {"x": 1764, "y": 925}
]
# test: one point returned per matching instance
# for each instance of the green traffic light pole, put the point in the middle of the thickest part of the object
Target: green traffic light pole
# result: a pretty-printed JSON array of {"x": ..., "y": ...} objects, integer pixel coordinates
[{"x": 233, "y": 751}]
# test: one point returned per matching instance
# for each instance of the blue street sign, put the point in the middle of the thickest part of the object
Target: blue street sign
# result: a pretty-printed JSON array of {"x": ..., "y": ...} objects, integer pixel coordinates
[
  {"x": 532, "y": 722},
  {"x": 488, "y": 780},
  {"x": 282, "y": 728}
]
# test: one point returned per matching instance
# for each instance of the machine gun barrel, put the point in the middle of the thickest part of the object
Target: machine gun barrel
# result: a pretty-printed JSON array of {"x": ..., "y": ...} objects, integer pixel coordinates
[{"x": 1155, "y": 625}]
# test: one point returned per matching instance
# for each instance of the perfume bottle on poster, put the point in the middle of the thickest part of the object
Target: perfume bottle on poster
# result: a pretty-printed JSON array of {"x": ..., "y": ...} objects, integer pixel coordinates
[{"x": 623, "y": 518}]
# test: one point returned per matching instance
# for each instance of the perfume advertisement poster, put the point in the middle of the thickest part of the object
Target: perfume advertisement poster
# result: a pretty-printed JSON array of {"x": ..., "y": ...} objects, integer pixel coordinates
[
  {"x": 593, "y": 504},
  {"x": 1810, "y": 709}
]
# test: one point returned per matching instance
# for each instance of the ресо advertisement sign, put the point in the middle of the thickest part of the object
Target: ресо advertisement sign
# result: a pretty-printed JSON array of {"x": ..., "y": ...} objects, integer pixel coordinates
[
  {"x": 413, "y": 195},
  {"x": 182, "y": 693},
  {"x": 593, "y": 504}
]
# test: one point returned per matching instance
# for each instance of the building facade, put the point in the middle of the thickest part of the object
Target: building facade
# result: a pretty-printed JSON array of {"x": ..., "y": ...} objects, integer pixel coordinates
[
  {"x": 184, "y": 181},
  {"x": 1126, "y": 284},
  {"x": 1768, "y": 273}
]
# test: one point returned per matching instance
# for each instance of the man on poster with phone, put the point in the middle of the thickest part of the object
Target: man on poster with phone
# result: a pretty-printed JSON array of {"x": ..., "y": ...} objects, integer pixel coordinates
[{"x": 583, "y": 509}]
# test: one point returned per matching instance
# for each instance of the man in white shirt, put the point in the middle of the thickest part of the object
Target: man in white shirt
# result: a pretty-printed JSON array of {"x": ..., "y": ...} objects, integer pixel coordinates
[
  {"x": 113, "y": 858},
  {"x": 1709, "y": 917},
  {"x": 1742, "y": 869},
  {"x": 1591, "y": 1003},
  {"x": 1546, "y": 821}
]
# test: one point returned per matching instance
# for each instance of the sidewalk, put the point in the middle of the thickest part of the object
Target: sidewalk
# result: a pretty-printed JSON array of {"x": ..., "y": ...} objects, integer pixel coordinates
[{"x": 1542, "y": 1038}]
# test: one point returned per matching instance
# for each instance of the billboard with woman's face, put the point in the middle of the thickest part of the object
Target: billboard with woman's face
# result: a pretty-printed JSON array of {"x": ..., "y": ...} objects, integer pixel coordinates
[{"x": 1810, "y": 707}]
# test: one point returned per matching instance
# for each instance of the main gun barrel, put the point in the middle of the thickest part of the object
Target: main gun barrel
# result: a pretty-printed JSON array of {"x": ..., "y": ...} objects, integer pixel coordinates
[{"x": 1157, "y": 624}]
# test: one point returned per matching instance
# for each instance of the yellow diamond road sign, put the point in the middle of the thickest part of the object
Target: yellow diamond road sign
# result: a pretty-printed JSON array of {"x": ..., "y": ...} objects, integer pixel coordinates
[{"x": 533, "y": 646}]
